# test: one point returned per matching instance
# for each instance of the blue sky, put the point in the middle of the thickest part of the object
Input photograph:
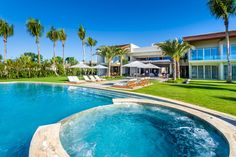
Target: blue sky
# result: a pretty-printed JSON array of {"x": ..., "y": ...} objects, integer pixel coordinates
[{"x": 111, "y": 22}]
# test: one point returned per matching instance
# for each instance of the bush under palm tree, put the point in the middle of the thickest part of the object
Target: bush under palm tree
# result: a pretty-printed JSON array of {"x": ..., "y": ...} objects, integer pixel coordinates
[{"x": 223, "y": 9}]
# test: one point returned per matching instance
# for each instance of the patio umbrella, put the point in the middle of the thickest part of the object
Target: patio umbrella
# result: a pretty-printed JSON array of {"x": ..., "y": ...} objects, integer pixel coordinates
[
  {"x": 81, "y": 65},
  {"x": 151, "y": 66},
  {"x": 135, "y": 64},
  {"x": 99, "y": 67}
]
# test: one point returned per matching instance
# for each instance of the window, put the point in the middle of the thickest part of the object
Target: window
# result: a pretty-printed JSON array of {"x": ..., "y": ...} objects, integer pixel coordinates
[
  {"x": 233, "y": 72},
  {"x": 233, "y": 51},
  {"x": 200, "y": 72},
  {"x": 215, "y": 73},
  {"x": 207, "y": 54},
  {"x": 194, "y": 71},
  {"x": 194, "y": 55},
  {"x": 200, "y": 54},
  {"x": 208, "y": 72}
]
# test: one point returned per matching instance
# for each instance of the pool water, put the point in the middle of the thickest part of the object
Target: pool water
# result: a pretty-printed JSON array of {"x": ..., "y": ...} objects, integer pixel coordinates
[
  {"x": 24, "y": 107},
  {"x": 140, "y": 131}
]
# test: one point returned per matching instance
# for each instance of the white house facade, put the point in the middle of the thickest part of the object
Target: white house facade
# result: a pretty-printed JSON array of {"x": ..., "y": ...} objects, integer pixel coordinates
[{"x": 208, "y": 59}]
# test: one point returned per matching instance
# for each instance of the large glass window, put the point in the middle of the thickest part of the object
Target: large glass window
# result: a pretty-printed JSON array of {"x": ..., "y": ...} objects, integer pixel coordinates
[
  {"x": 215, "y": 73},
  {"x": 215, "y": 53},
  {"x": 194, "y": 55},
  {"x": 233, "y": 52},
  {"x": 194, "y": 71},
  {"x": 234, "y": 72},
  {"x": 208, "y": 72},
  {"x": 200, "y": 72},
  {"x": 200, "y": 54},
  {"x": 207, "y": 54}
]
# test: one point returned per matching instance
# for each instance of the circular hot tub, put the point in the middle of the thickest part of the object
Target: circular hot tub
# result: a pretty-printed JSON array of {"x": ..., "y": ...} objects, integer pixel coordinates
[{"x": 139, "y": 130}]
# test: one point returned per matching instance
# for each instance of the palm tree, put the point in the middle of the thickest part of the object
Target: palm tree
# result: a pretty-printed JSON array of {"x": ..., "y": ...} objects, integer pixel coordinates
[
  {"x": 109, "y": 52},
  {"x": 223, "y": 9},
  {"x": 82, "y": 35},
  {"x": 122, "y": 52},
  {"x": 35, "y": 28},
  {"x": 91, "y": 43},
  {"x": 6, "y": 31},
  {"x": 183, "y": 48},
  {"x": 53, "y": 35},
  {"x": 176, "y": 49},
  {"x": 170, "y": 48},
  {"x": 62, "y": 38}
]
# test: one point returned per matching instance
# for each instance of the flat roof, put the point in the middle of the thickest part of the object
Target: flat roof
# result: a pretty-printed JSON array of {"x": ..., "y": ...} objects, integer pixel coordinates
[{"x": 217, "y": 35}]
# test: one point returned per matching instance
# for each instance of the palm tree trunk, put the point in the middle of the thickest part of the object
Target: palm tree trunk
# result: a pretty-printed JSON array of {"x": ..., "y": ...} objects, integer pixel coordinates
[
  {"x": 109, "y": 69},
  {"x": 229, "y": 79},
  {"x": 83, "y": 51},
  {"x": 54, "y": 51},
  {"x": 91, "y": 64},
  {"x": 5, "y": 49},
  {"x": 174, "y": 69},
  {"x": 63, "y": 53},
  {"x": 121, "y": 63},
  {"x": 38, "y": 47},
  {"x": 178, "y": 69}
]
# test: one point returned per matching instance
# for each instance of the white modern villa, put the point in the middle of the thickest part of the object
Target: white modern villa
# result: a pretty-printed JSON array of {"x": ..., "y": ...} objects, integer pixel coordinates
[
  {"x": 207, "y": 60},
  {"x": 151, "y": 54}
]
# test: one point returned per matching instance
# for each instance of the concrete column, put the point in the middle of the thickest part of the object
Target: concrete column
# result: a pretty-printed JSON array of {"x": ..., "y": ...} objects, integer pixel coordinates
[{"x": 221, "y": 71}]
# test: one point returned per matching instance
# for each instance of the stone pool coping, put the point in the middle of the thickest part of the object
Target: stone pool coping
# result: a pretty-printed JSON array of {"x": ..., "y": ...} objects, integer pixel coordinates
[
  {"x": 40, "y": 136},
  {"x": 228, "y": 121}
]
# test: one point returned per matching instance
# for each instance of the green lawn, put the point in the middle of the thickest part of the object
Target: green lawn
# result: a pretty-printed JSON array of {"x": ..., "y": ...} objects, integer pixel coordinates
[
  {"x": 215, "y": 95},
  {"x": 59, "y": 79}
]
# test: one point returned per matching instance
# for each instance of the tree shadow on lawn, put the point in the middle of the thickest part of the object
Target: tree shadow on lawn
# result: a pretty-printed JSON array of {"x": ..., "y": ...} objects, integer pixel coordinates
[
  {"x": 226, "y": 98},
  {"x": 204, "y": 86}
]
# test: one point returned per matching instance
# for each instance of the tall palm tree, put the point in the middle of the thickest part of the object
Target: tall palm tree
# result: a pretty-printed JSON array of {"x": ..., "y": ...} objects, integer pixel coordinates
[
  {"x": 53, "y": 35},
  {"x": 223, "y": 9},
  {"x": 176, "y": 49},
  {"x": 35, "y": 28},
  {"x": 82, "y": 35},
  {"x": 6, "y": 30},
  {"x": 109, "y": 52},
  {"x": 170, "y": 48},
  {"x": 122, "y": 52},
  {"x": 183, "y": 48},
  {"x": 91, "y": 43},
  {"x": 62, "y": 38}
]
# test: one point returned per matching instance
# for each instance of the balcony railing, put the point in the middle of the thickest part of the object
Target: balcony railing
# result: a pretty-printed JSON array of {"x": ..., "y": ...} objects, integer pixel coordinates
[{"x": 209, "y": 58}]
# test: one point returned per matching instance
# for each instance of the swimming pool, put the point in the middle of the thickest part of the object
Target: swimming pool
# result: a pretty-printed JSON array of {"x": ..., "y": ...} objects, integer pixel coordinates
[{"x": 24, "y": 107}]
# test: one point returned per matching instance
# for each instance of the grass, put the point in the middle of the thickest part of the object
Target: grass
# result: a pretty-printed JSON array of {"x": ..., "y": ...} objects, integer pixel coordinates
[
  {"x": 59, "y": 79},
  {"x": 216, "y": 95}
]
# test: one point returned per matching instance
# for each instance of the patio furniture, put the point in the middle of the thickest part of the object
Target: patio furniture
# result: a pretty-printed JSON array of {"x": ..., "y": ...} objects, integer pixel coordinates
[
  {"x": 98, "y": 78},
  {"x": 87, "y": 79},
  {"x": 93, "y": 78},
  {"x": 129, "y": 84},
  {"x": 74, "y": 79}
]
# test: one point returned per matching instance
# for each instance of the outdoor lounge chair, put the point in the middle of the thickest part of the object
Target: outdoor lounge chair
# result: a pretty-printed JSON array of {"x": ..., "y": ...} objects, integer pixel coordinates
[
  {"x": 130, "y": 84},
  {"x": 92, "y": 78},
  {"x": 74, "y": 79},
  {"x": 143, "y": 82},
  {"x": 87, "y": 79},
  {"x": 187, "y": 81},
  {"x": 98, "y": 78}
]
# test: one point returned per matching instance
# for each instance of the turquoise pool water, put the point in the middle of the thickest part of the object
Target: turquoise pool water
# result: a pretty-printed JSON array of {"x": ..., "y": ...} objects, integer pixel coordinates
[
  {"x": 140, "y": 131},
  {"x": 24, "y": 107}
]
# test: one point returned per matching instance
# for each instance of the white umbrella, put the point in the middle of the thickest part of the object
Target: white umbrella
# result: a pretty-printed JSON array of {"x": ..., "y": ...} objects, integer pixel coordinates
[
  {"x": 135, "y": 64},
  {"x": 81, "y": 65},
  {"x": 151, "y": 66},
  {"x": 99, "y": 67}
]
